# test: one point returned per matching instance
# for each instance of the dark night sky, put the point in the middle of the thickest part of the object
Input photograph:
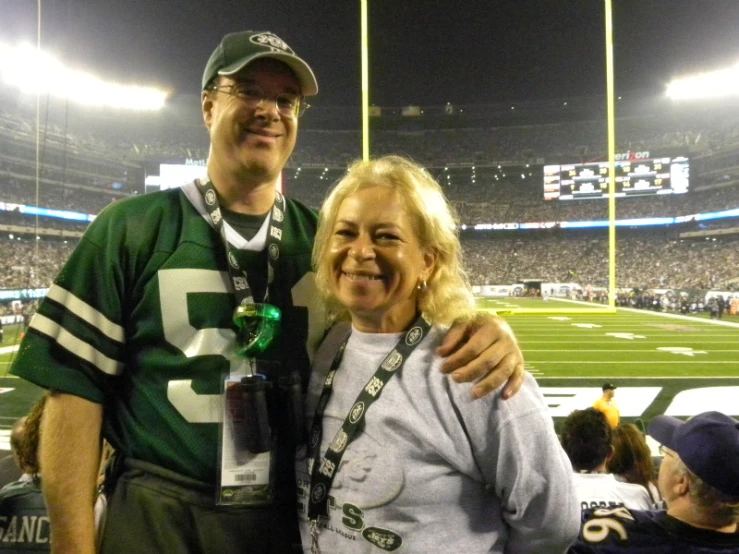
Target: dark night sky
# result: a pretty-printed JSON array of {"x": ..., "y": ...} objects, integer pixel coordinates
[{"x": 423, "y": 52}]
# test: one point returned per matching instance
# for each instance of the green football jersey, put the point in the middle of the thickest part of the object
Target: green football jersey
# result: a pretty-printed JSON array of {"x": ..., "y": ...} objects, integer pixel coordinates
[{"x": 140, "y": 320}]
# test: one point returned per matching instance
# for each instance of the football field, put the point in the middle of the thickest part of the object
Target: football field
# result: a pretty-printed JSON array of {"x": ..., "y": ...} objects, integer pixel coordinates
[
  {"x": 628, "y": 344},
  {"x": 661, "y": 363}
]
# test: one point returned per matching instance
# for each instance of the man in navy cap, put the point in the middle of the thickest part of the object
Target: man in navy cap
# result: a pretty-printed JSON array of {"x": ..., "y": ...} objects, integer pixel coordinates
[{"x": 699, "y": 481}]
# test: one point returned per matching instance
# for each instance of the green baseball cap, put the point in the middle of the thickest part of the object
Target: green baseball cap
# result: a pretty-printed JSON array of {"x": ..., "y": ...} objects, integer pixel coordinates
[{"x": 237, "y": 50}]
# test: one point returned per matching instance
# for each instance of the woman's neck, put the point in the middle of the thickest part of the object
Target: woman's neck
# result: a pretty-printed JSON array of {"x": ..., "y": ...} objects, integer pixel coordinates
[{"x": 388, "y": 323}]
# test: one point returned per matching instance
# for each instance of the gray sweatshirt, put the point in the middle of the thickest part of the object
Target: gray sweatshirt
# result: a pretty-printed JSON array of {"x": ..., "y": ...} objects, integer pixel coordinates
[{"x": 433, "y": 470}]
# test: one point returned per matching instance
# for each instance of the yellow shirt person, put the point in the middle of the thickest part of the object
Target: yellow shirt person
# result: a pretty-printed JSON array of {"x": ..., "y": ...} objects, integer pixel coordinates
[{"x": 607, "y": 405}]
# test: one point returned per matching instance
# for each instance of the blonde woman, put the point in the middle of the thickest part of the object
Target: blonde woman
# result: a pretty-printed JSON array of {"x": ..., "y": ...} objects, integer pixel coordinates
[{"x": 398, "y": 455}]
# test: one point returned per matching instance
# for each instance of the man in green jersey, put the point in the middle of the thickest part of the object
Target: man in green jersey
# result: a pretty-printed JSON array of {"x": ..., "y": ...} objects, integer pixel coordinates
[{"x": 136, "y": 335}]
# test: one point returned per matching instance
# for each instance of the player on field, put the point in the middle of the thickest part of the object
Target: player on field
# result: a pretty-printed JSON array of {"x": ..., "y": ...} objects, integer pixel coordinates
[{"x": 137, "y": 339}]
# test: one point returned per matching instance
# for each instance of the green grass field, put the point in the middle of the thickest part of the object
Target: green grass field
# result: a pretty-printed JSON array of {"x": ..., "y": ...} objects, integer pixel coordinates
[
  {"x": 627, "y": 344},
  {"x": 661, "y": 363}
]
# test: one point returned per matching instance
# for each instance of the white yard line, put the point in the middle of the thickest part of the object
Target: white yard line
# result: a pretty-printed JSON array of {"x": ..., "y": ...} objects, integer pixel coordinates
[
  {"x": 641, "y": 341},
  {"x": 653, "y": 351},
  {"x": 5, "y": 439},
  {"x": 661, "y": 314},
  {"x": 632, "y": 377},
  {"x": 698, "y": 361},
  {"x": 622, "y": 323}
]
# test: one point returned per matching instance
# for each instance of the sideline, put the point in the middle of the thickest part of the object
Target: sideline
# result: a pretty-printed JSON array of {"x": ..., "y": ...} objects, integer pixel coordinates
[
  {"x": 662, "y": 314},
  {"x": 9, "y": 349}
]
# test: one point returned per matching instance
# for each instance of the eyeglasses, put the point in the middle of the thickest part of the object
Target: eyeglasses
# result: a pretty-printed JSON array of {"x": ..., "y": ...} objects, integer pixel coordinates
[{"x": 288, "y": 104}]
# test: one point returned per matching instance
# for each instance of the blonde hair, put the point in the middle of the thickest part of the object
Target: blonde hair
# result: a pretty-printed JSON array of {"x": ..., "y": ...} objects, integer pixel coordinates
[{"x": 448, "y": 295}]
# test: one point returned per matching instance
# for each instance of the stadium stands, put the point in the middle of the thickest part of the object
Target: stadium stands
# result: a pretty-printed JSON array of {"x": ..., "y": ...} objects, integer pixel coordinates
[{"x": 490, "y": 165}]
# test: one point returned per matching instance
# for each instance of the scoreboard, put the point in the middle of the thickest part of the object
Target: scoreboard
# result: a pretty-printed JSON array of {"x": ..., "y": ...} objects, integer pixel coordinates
[{"x": 633, "y": 178}]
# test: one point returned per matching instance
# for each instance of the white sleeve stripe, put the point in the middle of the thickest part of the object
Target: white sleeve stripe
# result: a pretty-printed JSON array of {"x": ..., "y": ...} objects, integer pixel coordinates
[
  {"x": 78, "y": 347},
  {"x": 83, "y": 310}
]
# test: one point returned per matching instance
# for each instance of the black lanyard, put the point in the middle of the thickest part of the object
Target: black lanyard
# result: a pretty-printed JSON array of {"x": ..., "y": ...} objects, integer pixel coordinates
[
  {"x": 323, "y": 470},
  {"x": 242, "y": 290}
]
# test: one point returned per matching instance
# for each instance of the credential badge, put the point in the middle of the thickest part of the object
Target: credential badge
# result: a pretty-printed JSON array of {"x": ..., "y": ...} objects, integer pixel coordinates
[
  {"x": 356, "y": 412},
  {"x": 413, "y": 336},
  {"x": 393, "y": 361}
]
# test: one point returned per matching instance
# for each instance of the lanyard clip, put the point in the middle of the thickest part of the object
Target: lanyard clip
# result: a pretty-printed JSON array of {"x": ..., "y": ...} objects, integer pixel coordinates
[{"x": 314, "y": 548}]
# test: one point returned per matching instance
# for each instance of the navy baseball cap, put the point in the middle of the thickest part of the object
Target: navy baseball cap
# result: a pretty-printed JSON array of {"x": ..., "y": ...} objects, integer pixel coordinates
[
  {"x": 708, "y": 445},
  {"x": 237, "y": 50}
]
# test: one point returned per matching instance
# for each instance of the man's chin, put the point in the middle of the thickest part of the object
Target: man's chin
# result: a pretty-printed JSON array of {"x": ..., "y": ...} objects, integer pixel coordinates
[{"x": 263, "y": 170}]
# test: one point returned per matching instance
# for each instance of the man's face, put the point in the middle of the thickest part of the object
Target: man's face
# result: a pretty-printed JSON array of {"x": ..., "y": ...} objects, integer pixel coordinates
[
  {"x": 609, "y": 393},
  {"x": 669, "y": 478},
  {"x": 253, "y": 140}
]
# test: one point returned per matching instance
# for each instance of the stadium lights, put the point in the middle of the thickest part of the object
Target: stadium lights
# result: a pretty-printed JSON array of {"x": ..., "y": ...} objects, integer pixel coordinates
[
  {"x": 34, "y": 71},
  {"x": 713, "y": 84}
]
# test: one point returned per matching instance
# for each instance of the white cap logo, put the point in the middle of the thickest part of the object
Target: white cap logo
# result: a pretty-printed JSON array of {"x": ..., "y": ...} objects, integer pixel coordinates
[{"x": 272, "y": 41}]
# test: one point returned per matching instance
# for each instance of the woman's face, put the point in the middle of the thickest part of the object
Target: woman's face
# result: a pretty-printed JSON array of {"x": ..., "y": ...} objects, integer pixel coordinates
[{"x": 376, "y": 260}]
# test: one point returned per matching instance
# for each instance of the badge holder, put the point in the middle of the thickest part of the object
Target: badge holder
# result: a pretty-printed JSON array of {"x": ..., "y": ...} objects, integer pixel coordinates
[{"x": 247, "y": 445}]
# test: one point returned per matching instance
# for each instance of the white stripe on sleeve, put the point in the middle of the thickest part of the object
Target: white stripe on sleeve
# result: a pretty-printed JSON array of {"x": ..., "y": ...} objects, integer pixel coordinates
[
  {"x": 86, "y": 312},
  {"x": 78, "y": 347}
]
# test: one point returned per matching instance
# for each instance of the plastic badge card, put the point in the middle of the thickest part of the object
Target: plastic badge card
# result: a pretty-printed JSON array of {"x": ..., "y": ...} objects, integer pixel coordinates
[{"x": 245, "y": 476}]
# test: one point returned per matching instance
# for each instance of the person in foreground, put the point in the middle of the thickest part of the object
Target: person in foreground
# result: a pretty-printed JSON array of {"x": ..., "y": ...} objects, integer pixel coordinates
[
  {"x": 586, "y": 437},
  {"x": 398, "y": 456},
  {"x": 699, "y": 481},
  {"x": 151, "y": 315},
  {"x": 631, "y": 461},
  {"x": 24, "y": 525}
]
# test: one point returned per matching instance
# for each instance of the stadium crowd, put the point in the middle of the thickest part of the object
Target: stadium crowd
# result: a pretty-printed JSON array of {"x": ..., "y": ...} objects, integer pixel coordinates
[
  {"x": 22, "y": 270},
  {"x": 640, "y": 262},
  {"x": 562, "y": 257},
  {"x": 85, "y": 171}
]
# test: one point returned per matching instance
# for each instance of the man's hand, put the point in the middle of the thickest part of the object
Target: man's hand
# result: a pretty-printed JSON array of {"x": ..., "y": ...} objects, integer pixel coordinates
[{"x": 484, "y": 348}]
